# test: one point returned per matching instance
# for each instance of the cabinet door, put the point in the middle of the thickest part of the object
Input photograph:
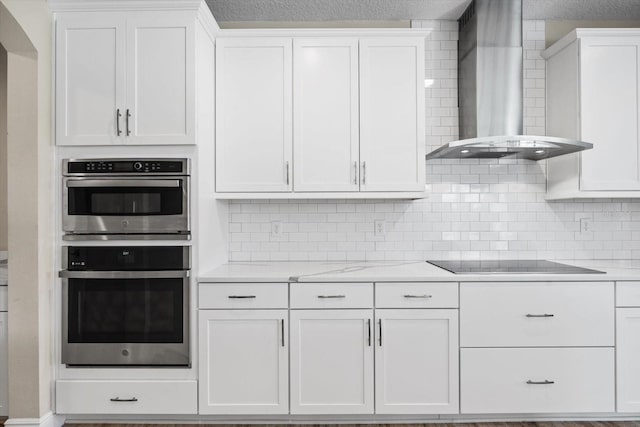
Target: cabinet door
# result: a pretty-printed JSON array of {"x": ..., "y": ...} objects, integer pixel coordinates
[
  {"x": 331, "y": 362},
  {"x": 392, "y": 114},
  {"x": 243, "y": 362},
  {"x": 253, "y": 114},
  {"x": 610, "y": 118},
  {"x": 417, "y": 362},
  {"x": 4, "y": 378},
  {"x": 160, "y": 78},
  {"x": 628, "y": 355},
  {"x": 90, "y": 70},
  {"x": 325, "y": 114}
]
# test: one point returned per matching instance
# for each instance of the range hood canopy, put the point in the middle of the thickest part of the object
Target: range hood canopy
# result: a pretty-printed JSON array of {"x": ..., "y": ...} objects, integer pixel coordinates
[{"x": 490, "y": 89}]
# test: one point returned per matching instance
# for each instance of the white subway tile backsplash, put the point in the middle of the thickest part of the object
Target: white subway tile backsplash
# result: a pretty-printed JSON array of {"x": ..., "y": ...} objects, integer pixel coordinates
[{"x": 477, "y": 209}]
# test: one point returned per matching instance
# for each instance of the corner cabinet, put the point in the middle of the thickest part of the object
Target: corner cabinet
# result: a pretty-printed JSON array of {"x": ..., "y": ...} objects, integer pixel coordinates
[
  {"x": 593, "y": 95},
  {"x": 315, "y": 116},
  {"x": 126, "y": 77}
]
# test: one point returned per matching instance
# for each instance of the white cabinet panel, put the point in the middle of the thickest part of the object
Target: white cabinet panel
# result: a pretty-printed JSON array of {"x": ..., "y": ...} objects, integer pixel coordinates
[
  {"x": 331, "y": 295},
  {"x": 325, "y": 115},
  {"x": 417, "y": 362},
  {"x": 628, "y": 359},
  {"x": 90, "y": 73},
  {"x": 331, "y": 362},
  {"x": 529, "y": 314},
  {"x": 4, "y": 377},
  {"x": 160, "y": 78},
  {"x": 610, "y": 113},
  {"x": 253, "y": 114},
  {"x": 416, "y": 295},
  {"x": 537, "y": 380},
  {"x": 243, "y": 295},
  {"x": 392, "y": 134},
  {"x": 628, "y": 294},
  {"x": 243, "y": 362}
]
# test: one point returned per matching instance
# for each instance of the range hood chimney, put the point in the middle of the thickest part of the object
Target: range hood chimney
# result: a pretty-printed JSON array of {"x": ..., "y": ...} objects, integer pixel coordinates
[{"x": 490, "y": 89}]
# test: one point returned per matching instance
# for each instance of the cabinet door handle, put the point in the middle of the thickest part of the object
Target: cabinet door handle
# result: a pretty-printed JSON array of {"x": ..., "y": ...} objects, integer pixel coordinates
[
  {"x": 128, "y": 115},
  {"x": 364, "y": 173},
  {"x": 380, "y": 332},
  {"x": 418, "y": 296},
  {"x": 117, "y": 399},
  {"x": 540, "y": 382},
  {"x": 282, "y": 330},
  {"x": 369, "y": 332},
  {"x": 286, "y": 165},
  {"x": 355, "y": 173},
  {"x": 539, "y": 315},
  {"x": 118, "y": 115},
  {"x": 241, "y": 296},
  {"x": 330, "y": 296}
]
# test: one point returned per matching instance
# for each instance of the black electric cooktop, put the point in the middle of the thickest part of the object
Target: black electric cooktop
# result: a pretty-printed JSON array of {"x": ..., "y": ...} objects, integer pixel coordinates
[{"x": 511, "y": 267}]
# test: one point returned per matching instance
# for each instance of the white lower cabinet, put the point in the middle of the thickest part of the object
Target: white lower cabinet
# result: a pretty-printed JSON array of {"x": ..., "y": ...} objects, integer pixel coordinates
[
  {"x": 126, "y": 397},
  {"x": 332, "y": 361},
  {"x": 4, "y": 377},
  {"x": 244, "y": 362},
  {"x": 416, "y": 361},
  {"x": 628, "y": 359},
  {"x": 537, "y": 380}
]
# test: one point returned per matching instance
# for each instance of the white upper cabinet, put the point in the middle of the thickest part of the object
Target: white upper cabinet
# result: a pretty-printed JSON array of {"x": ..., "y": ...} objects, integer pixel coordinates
[
  {"x": 392, "y": 133},
  {"x": 90, "y": 76},
  {"x": 325, "y": 115},
  {"x": 160, "y": 79},
  {"x": 253, "y": 115},
  {"x": 125, "y": 78},
  {"x": 593, "y": 95}
]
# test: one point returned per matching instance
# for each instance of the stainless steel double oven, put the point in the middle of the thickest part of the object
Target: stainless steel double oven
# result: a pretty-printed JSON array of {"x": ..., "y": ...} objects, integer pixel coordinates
[{"x": 125, "y": 305}]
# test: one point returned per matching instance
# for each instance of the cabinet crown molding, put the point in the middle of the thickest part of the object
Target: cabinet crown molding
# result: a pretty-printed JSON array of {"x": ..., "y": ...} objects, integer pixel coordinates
[
  {"x": 579, "y": 33},
  {"x": 107, "y": 5}
]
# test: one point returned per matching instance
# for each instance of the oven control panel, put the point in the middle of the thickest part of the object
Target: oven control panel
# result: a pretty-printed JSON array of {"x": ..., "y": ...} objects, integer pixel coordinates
[{"x": 126, "y": 166}]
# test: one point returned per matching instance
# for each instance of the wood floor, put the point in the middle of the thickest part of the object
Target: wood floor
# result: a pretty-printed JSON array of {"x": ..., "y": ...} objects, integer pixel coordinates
[{"x": 510, "y": 424}]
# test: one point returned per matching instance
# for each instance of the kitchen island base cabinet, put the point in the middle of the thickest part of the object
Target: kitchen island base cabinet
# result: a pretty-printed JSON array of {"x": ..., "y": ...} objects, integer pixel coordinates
[
  {"x": 417, "y": 361},
  {"x": 244, "y": 362},
  {"x": 537, "y": 380},
  {"x": 332, "y": 361},
  {"x": 628, "y": 359}
]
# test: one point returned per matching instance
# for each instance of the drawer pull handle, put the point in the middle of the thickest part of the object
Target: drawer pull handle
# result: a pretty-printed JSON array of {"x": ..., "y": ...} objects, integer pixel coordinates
[
  {"x": 540, "y": 315},
  {"x": 369, "y": 333},
  {"x": 241, "y": 296},
  {"x": 540, "y": 382},
  {"x": 330, "y": 296},
  {"x": 117, "y": 399},
  {"x": 418, "y": 296}
]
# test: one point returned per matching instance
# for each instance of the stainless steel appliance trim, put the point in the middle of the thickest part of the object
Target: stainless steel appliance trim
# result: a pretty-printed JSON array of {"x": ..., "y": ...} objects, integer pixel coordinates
[
  {"x": 186, "y": 257},
  {"x": 101, "y": 354},
  {"x": 186, "y": 166},
  {"x": 170, "y": 274},
  {"x": 105, "y": 237},
  {"x": 100, "y": 183}
]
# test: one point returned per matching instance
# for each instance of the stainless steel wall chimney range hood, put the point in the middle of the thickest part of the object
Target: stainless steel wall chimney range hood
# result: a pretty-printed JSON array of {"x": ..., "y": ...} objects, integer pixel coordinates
[{"x": 490, "y": 89}]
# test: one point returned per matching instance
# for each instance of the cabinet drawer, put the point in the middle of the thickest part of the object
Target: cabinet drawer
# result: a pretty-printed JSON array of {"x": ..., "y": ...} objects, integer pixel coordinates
[
  {"x": 4, "y": 303},
  {"x": 331, "y": 295},
  {"x": 151, "y": 397},
  {"x": 512, "y": 380},
  {"x": 628, "y": 294},
  {"x": 416, "y": 295},
  {"x": 243, "y": 295},
  {"x": 537, "y": 314}
]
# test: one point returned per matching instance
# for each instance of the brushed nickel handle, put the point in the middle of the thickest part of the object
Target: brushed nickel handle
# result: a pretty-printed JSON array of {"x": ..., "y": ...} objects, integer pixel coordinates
[
  {"x": 380, "y": 332},
  {"x": 540, "y": 315},
  {"x": 282, "y": 330},
  {"x": 118, "y": 115},
  {"x": 330, "y": 296},
  {"x": 241, "y": 296},
  {"x": 117, "y": 399},
  {"x": 369, "y": 332},
  {"x": 287, "y": 168},
  {"x": 418, "y": 296},
  {"x": 540, "y": 382},
  {"x": 364, "y": 173},
  {"x": 127, "y": 122},
  {"x": 355, "y": 173}
]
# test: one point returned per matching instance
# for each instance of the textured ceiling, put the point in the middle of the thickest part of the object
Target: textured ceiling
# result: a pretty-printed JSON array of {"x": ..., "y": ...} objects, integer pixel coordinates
[{"x": 389, "y": 10}]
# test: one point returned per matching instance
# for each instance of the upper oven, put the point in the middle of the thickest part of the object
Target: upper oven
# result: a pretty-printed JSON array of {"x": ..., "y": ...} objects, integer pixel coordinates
[{"x": 105, "y": 198}]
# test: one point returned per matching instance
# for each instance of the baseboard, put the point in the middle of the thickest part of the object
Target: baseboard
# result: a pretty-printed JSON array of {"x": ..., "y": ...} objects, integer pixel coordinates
[{"x": 47, "y": 420}]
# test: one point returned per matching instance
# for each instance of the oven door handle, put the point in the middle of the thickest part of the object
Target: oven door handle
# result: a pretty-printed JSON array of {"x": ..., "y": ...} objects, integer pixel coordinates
[
  {"x": 170, "y": 274},
  {"x": 163, "y": 183}
]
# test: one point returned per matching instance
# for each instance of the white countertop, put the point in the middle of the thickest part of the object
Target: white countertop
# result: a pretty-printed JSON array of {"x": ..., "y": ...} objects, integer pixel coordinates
[{"x": 410, "y": 271}]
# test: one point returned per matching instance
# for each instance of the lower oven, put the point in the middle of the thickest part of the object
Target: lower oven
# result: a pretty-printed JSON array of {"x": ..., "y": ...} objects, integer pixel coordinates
[{"x": 125, "y": 306}]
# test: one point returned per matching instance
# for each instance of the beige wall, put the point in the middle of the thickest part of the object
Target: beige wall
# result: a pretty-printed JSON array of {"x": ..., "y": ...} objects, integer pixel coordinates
[
  {"x": 3, "y": 149},
  {"x": 555, "y": 30},
  {"x": 25, "y": 32}
]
